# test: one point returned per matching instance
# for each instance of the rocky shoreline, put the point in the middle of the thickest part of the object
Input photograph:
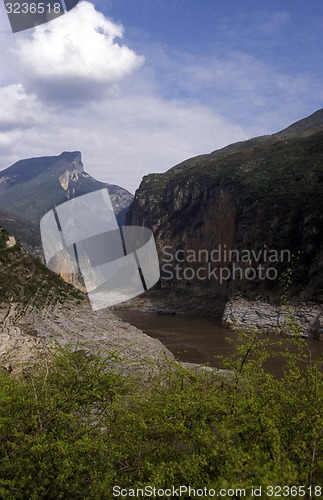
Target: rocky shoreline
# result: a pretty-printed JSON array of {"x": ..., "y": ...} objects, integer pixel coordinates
[
  {"x": 27, "y": 333},
  {"x": 237, "y": 312},
  {"x": 304, "y": 318}
]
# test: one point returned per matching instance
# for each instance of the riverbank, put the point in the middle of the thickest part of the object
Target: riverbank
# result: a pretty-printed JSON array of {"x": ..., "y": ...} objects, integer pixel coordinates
[
  {"x": 26, "y": 333},
  {"x": 169, "y": 302},
  {"x": 234, "y": 313}
]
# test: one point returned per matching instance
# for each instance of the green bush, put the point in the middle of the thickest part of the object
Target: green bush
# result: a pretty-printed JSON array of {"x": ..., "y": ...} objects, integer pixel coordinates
[{"x": 76, "y": 427}]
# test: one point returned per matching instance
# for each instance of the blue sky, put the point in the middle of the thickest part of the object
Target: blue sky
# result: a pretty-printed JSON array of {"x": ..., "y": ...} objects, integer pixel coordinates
[
  {"x": 140, "y": 85},
  {"x": 285, "y": 37}
]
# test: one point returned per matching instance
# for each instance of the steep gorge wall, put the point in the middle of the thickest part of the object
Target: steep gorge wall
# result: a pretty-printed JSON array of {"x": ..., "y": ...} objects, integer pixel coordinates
[
  {"x": 268, "y": 198},
  {"x": 187, "y": 218}
]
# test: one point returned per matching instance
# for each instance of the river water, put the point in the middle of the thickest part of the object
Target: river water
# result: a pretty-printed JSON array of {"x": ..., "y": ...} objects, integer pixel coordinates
[{"x": 197, "y": 339}]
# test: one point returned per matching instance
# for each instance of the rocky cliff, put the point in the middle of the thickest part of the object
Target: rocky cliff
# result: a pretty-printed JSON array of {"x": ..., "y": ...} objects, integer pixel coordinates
[{"x": 219, "y": 217}]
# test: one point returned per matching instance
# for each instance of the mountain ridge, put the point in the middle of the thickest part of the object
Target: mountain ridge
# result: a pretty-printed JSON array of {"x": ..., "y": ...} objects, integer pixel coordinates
[
  {"x": 31, "y": 187},
  {"x": 302, "y": 128}
]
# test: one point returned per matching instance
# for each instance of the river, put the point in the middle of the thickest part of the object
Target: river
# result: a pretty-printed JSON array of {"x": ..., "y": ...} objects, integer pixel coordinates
[{"x": 197, "y": 339}]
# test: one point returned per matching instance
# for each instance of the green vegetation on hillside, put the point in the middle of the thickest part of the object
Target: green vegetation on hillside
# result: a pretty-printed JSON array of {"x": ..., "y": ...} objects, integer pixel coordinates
[
  {"x": 75, "y": 428},
  {"x": 275, "y": 169},
  {"x": 26, "y": 280}
]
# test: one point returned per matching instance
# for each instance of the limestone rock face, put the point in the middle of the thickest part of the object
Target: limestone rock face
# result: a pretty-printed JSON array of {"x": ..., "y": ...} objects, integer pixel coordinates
[
  {"x": 11, "y": 241},
  {"x": 306, "y": 318},
  {"x": 26, "y": 334},
  {"x": 66, "y": 177}
]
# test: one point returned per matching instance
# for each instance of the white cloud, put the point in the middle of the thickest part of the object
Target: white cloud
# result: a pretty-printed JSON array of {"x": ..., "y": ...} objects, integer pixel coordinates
[
  {"x": 76, "y": 57},
  {"x": 177, "y": 106},
  {"x": 19, "y": 110},
  {"x": 253, "y": 93},
  {"x": 124, "y": 138}
]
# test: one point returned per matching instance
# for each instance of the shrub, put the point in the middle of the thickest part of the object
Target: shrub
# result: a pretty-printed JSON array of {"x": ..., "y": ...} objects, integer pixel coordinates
[{"x": 77, "y": 427}]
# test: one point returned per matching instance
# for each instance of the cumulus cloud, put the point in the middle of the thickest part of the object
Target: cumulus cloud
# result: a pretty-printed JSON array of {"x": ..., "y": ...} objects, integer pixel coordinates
[{"x": 76, "y": 57}]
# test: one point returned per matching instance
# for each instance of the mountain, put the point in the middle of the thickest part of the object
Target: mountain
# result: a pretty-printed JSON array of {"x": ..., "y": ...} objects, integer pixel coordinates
[
  {"x": 31, "y": 187},
  {"x": 252, "y": 199}
]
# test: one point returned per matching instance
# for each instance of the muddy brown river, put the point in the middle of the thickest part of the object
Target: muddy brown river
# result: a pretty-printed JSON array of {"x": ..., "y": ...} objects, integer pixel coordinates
[{"x": 198, "y": 339}]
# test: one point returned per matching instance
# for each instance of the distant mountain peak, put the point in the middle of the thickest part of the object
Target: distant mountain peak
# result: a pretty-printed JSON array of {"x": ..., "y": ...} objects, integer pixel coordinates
[
  {"x": 29, "y": 168},
  {"x": 75, "y": 158},
  {"x": 31, "y": 187},
  {"x": 68, "y": 154},
  {"x": 73, "y": 171}
]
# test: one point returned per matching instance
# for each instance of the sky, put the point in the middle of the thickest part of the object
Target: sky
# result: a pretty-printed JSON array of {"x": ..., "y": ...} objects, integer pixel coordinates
[{"x": 140, "y": 85}]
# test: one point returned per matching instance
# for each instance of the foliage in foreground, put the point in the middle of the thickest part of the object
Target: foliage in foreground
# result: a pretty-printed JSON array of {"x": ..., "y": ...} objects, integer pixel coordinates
[{"x": 76, "y": 428}]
